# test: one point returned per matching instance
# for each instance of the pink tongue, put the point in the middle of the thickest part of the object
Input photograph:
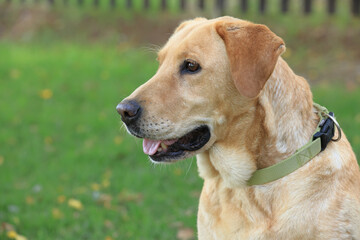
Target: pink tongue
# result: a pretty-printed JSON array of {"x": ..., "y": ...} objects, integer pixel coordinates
[{"x": 150, "y": 147}]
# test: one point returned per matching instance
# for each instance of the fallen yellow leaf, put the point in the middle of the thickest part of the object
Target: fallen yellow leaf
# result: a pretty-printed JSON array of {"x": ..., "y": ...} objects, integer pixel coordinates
[
  {"x": 57, "y": 214},
  {"x": 61, "y": 199},
  {"x": 74, "y": 203},
  {"x": 126, "y": 196},
  {"x": 29, "y": 200},
  {"x": 1, "y": 160},
  {"x": 11, "y": 234},
  {"x": 46, "y": 94},
  {"x": 19, "y": 237},
  {"x": 108, "y": 238},
  {"x": 95, "y": 186}
]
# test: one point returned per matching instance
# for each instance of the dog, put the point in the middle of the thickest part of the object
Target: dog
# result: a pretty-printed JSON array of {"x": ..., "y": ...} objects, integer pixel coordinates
[{"x": 223, "y": 92}]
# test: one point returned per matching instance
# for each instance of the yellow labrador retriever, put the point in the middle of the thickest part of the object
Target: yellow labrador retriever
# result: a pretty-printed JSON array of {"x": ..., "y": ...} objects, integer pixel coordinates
[{"x": 223, "y": 92}]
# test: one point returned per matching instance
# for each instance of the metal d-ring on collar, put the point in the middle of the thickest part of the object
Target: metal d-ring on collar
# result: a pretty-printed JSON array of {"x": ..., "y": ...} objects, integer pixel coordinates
[{"x": 337, "y": 126}]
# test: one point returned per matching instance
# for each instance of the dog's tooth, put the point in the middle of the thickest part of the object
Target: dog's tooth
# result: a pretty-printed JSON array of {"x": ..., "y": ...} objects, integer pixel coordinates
[
  {"x": 159, "y": 149},
  {"x": 163, "y": 145}
]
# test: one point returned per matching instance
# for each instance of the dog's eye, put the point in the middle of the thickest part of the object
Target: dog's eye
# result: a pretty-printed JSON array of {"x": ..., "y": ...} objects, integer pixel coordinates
[{"x": 190, "y": 66}]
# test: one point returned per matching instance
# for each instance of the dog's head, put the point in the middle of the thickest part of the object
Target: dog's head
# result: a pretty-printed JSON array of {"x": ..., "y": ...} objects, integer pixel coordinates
[{"x": 210, "y": 72}]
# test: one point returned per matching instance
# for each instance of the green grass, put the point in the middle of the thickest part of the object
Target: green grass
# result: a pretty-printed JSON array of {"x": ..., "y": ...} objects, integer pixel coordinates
[
  {"x": 67, "y": 144},
  {"x": 60, "y": 139}
]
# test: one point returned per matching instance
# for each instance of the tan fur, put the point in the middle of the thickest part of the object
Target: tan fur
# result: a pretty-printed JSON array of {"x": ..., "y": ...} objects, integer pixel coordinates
[{"x": 259, "y": 113}]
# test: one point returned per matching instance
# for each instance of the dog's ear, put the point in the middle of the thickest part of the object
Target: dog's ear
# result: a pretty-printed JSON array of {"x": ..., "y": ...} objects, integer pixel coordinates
[{"x": 253, "y": 51}]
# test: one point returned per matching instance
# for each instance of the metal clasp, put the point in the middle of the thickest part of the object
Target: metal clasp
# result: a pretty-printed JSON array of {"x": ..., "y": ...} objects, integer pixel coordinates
[{"x": 337, "y": 126}]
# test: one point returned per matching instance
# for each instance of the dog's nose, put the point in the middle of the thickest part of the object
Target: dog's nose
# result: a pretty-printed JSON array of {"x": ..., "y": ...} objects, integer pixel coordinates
[{"x": 129, "y": 110}]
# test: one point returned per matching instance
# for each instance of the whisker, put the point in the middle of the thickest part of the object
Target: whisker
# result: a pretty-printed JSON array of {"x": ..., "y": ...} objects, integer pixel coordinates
[
  {"x": 188, "y": 170},
  {"x": 122, "y": 126}
]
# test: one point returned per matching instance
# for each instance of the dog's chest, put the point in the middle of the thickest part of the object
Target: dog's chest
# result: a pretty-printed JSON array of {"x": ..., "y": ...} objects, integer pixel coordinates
[{"x": 225, "y": 213}]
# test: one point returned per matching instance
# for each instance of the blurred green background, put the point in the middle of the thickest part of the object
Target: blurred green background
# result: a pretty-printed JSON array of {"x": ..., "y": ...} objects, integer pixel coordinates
[{"x": 67, "y": 168}]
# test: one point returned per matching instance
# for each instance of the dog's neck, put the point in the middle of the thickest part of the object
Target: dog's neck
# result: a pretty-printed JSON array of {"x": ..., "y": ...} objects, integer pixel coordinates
[
  {"x": 290, "y": 119},
  {"x": 281, "y": 120}
]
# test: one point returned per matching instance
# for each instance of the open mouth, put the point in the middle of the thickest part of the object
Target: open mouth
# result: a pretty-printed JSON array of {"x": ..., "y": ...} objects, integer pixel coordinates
[{"x": 174, "y": 149}]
